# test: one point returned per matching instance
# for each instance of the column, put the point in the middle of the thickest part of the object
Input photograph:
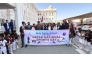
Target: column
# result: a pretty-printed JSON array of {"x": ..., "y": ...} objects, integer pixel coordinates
[{"x": 18, "y": 16}]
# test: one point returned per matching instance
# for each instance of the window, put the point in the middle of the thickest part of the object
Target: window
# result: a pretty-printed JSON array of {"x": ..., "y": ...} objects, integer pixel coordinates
[
  {"x": 46, "y": 18},
  {"x": 24, "y": 11},
  {"x": 52, "y": 13}
]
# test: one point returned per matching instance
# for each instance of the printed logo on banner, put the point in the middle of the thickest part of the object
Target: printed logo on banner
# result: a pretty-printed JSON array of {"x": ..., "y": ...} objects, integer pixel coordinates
[{"x": 64, "y": 34}]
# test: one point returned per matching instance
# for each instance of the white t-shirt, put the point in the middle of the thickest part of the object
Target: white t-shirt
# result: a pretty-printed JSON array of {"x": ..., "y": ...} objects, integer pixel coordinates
[
  {"x": 8, "y": 25},
  {"x": 2, "y": 43}
]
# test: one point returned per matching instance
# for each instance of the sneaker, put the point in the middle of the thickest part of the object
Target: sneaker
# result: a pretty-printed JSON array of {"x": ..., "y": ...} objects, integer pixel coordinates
[
  {"x": 22, "y": 46},
  {"x": 25, "y": 46},
  {"x": 17, "y": 46}
]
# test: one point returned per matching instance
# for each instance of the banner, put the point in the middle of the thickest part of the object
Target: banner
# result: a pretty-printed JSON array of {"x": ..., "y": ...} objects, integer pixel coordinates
[{"x": 46, "y": 37}]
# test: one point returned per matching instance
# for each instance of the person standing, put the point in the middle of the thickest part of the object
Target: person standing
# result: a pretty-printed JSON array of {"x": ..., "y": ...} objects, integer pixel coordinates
[
  {"x": 3, "y": 43},
  {"x": 54, "y": 27},
  {"x": 38, "y": 26},
  {"x": 58, "y": 26},
  {"x": 65, "y": 25},
  {"x": 6, "y": 26},
  {"x": 43, "y": 26},
  {"x": 28, "y": 27},
  {"x": 49, "y": 26},
  {"x": 11, "y": 26},
  {"x": 22, "y": 33},
  {"x": 33, "y": 27},
  {"x": 71, "y": 33}
]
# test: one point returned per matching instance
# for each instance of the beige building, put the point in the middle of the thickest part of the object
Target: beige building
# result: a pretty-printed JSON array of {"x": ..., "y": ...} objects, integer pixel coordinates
[
  {"x": 26, "y": 12},
  {"x": 30, "y": 13},
  {"x": 48, "y": 15}
]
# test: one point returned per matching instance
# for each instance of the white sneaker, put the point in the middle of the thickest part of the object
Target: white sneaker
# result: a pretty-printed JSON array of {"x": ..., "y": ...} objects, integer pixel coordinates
[{"x": 17, "y": 46}]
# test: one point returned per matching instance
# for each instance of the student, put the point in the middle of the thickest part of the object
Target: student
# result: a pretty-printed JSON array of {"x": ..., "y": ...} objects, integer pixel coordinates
[
  {"x": 16, "y": 40},
  {"x": 11, "y": 43},
  {"x": 87, "y": 37},
  {"x": 8, "y": 42},
  {"x": 3, "y": 43},
  {"x": 81, "y": 34}
]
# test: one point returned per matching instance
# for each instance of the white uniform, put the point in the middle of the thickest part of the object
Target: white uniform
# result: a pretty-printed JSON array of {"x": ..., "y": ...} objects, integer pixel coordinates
[
  {"x": 11, "y": 49},
  {"x": 14, "y": 45},
  {"x": 3, "y": 47}
]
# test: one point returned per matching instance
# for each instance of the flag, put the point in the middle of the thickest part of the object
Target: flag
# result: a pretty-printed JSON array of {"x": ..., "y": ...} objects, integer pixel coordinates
[{"x": 42, "y": 19}]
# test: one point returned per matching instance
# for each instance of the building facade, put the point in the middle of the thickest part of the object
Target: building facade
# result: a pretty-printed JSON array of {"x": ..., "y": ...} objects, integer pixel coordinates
[
  {"x": 47, "y": 15},
  {"x": 30, "y": 13},
  {"x": 26, "y": 12}
]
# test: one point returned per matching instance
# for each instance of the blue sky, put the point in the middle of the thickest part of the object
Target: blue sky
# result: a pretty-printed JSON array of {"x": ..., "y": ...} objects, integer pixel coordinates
[{"x": 66, "y": 10}]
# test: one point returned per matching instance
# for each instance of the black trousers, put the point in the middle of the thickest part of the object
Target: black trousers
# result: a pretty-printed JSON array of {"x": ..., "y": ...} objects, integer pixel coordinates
[
  {"x": 22, "y": 40},
  {"x": 7, "y": 49}
]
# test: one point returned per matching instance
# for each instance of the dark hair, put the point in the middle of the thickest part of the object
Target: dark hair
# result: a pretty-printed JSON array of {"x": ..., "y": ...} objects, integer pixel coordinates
[
  {"x": 2, "y": 34},
  {"x": 6, "y": 33},
  {"x": 38, "y": 22},
  {"x": 6, "y": 20},
  {"x": 14, "y": 31},
  {"x": 23, "y": 22}
]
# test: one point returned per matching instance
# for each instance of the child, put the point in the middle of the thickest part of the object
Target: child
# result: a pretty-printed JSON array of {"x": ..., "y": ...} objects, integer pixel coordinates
[
  {"x": 8, "y": 42},
  {"x": 87, "y": 40},
  {"x": 16, "y": 39},
  {"x": 81, "y": 34},
  {"x": 3, "y": 43},
  {"x": 11, "y": 43}
]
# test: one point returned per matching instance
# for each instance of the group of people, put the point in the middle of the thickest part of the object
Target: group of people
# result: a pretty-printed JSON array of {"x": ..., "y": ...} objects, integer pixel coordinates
[
  {"x": 8, "y": 26},
  {"x": 9, "y": 39},
  {"x": 83, "y": 39},
  {"x": 8, "y": 42},
  {"x": 47, "y": 26}
]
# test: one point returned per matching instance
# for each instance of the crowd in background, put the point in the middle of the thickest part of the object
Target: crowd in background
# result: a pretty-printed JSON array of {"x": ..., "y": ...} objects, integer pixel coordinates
[{"x": 9, "y": 39}]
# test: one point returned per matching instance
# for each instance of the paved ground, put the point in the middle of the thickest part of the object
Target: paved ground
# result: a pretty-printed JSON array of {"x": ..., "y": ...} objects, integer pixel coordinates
[{"x": 47, "y": 50}]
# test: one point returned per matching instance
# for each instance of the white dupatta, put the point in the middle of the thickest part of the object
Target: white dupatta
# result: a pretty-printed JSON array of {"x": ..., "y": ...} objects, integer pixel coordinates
[
  {"x": 49, "y": 28},
  {"x": 54, "y": 28},
  {"x": 33, "y": 28}
]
